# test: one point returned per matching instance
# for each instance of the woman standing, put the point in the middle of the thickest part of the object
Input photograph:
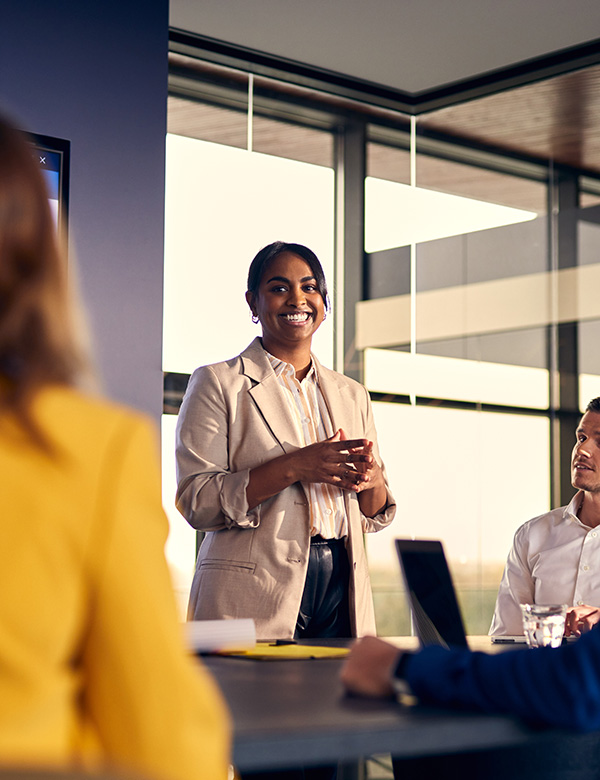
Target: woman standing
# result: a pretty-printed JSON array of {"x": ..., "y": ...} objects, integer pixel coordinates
[{"x": 278, "y": 463}]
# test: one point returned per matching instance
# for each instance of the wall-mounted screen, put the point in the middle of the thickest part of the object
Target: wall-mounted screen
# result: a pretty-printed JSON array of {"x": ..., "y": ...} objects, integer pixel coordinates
[{"x": 53, "y": 156}]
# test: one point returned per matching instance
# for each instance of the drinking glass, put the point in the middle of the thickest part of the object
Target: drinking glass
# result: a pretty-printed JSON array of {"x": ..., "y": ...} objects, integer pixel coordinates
[{"x": 544, "y": 625}]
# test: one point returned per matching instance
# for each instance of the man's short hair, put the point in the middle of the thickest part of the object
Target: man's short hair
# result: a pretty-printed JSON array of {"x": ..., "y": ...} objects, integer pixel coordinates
[{"x": 593, "y": 406}]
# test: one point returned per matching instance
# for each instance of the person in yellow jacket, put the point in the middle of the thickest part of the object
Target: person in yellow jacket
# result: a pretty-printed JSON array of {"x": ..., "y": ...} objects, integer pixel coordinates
[{"x": 93, "y": 669}]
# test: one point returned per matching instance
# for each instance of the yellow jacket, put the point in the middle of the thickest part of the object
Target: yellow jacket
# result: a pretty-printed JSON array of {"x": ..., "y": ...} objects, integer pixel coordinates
[{"x": 91, "y": 652}]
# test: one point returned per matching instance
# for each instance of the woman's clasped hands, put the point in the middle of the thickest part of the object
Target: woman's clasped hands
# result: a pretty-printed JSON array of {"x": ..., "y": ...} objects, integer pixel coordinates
[{"x": 346, "y": 463}]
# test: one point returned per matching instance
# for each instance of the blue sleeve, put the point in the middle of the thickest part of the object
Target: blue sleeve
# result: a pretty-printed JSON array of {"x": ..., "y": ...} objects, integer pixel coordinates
[{"x": 558, "y": 687}]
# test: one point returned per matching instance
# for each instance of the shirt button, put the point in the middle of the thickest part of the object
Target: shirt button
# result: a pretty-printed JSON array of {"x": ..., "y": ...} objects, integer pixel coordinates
[
  {"x": 328, "y": 511},
  {"x": 594, "y": 534},
  {"x": 586, "y": 568},
  {"x": 580, "y": 603}
]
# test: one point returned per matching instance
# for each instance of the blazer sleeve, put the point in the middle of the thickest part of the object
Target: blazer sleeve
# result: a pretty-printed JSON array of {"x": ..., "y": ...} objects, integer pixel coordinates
[
  {"x": 516, "y": 587},
  {"x": 382, "y": 520},
  {"x": 155, "y": 709},
  {"x": 210, "y": 496},
  {"x": 545, "y": 686}
]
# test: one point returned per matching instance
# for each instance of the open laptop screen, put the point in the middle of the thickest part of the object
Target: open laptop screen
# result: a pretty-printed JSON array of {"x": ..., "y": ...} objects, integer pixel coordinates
[{"x": 431, "y": 594}]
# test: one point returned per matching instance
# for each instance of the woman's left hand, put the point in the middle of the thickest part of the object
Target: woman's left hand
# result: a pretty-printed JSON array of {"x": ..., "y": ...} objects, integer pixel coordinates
[
  {"x": 368, "y": 482},
  {"x": 367, "y": 466}
]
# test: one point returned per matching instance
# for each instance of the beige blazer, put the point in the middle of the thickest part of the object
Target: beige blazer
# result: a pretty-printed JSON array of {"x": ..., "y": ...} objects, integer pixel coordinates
[{"x": 252, "y": 563}]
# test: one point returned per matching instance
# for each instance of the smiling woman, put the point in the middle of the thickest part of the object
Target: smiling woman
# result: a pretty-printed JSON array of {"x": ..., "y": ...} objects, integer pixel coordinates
[
  {"x": 278, "y": 464},
  {"x": 289, "y": 301}
]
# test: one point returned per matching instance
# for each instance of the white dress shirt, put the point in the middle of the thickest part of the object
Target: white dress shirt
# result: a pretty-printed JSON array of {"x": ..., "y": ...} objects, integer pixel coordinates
[
  {"x": 308, "y": 410},
  {"x": 555, "y": 559}
]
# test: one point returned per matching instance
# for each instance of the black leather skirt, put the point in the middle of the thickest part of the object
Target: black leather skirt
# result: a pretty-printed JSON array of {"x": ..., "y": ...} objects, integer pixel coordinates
[{"x": 324, "y": 607}]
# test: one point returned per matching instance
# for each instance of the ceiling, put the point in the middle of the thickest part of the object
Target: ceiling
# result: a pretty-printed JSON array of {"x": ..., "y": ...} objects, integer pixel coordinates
[
  {"x": 418, "y": 47},
  {"x": 556, "y": 119},
  {"x": 412, "y": 46}
]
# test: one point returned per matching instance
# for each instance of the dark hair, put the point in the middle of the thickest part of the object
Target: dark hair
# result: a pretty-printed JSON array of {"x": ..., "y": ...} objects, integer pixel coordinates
[
  {"x": 38, "y": 342},
  {"x": 593, "y": 406},
  {"x": 270, "y": 252}
]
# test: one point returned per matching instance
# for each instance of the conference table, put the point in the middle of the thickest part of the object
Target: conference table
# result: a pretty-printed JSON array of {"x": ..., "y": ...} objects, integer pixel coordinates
[{"x": 289, "y": 713}]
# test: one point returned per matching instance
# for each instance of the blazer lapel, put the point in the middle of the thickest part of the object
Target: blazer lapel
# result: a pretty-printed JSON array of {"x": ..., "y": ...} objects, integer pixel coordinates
[
  {"x": 335, "y": 394},
  {"x": 268, "y": 396}
]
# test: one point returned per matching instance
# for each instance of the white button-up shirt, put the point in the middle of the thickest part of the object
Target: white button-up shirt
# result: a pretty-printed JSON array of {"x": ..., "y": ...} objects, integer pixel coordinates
[
  {"x": 555, "y": 559},
  {"x": 308, "y": 410}
]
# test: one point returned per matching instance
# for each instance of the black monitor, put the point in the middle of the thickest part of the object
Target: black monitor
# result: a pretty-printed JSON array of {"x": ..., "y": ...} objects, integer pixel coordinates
[{"x": 53, "y": 156}]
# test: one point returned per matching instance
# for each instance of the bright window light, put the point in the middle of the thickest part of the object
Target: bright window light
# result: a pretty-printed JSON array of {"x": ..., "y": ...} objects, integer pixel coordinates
[
  {"x": 458, "y": 476},
  {"x": 180, "y": 549},
  {"x": 399, "y": 215},
  {"x": 222, "y": 205},
  {"x": 589, "y": 387},
  {"x": 430, "y": 376}
]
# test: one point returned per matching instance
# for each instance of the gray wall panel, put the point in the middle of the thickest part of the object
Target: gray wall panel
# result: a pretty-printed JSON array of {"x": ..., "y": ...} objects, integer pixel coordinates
[{"x": 96, "y": 74}]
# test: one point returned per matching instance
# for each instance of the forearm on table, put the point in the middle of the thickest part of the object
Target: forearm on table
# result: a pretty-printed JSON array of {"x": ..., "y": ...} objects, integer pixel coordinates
[{"x": 558, "y": 687}]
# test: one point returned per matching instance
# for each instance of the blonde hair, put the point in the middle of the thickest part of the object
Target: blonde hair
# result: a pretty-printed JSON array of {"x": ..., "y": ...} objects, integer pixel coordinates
[{"x": 38, "y": 341}]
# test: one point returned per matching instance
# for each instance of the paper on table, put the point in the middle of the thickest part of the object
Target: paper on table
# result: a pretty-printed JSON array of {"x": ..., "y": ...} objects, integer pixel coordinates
[
  {"x": 264, "y": 651},
  {"x": 209, "y": 636}
]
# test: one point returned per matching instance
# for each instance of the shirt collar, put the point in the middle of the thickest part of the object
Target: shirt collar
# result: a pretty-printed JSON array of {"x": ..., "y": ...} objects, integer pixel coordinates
[
  {"x": 573, "y": 508},
  {"x": 281, "y": 368}
]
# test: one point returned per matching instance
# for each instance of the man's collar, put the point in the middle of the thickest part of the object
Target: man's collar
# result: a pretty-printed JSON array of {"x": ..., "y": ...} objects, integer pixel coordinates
[{"x": 574, "y": 505}]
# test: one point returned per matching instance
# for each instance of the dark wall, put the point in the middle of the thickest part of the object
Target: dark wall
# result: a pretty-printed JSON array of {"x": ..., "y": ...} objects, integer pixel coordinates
[{"x": 96, "y": 73}]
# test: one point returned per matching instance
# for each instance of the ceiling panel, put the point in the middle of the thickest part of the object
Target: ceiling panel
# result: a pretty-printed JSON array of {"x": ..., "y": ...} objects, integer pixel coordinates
[
  {"x": 407, "y": 46},
  {"x": 556, "y": 120}
]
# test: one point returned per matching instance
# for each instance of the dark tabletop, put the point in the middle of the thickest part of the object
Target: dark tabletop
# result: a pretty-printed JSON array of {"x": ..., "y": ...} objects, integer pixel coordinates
[{"x": 287, "y": 710}]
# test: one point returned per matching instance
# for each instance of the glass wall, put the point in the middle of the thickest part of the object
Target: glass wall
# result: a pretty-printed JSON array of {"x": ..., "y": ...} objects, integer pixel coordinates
[
  {"x": 458, "y": 477},
  {"x": 471, "y": 306},
  {"x": 458, "y": 247},
  {"x": 588, "y": 241}
]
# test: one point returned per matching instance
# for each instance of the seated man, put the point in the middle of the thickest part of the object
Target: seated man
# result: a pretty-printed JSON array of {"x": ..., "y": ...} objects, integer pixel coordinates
[{"x": 554, "y": 557}]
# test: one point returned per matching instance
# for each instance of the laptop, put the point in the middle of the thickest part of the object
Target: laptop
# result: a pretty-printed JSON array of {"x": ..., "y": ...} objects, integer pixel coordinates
[
  {"x": 431, "y": 594},
  {"x": 508, "y": 639},
  {"x": 432, "y": 597}
]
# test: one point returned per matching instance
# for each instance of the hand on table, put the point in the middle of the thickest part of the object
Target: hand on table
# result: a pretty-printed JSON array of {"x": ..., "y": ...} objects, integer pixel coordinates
[
  {"x": 368, "y": 668},
  {"x": 581, "y": 619}
]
